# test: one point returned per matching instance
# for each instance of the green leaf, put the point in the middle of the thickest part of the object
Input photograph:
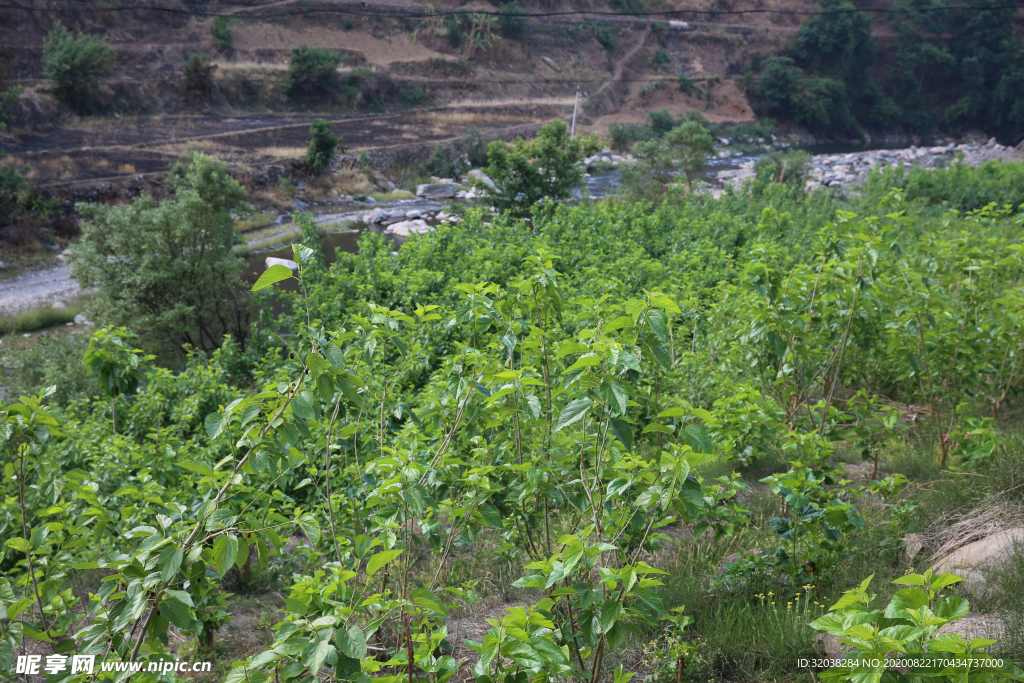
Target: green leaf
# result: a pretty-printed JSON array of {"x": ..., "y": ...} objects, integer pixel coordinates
[
  {"x": 169, "y": 562},
  {"x": 351, "y": 643},
  {"x": 224, "y": 550},
  {"x": 659, "y": 300},
  {"x": 316, "y": 658},
  {"x": 655, "y": 427},
  {"x": 573, "y": 411},
  {"x": 272, "y": 275},
  {"x": 584, "y": 362},
  {"x": 175, "y": 611},
  {"x": 379, "y": 560},
  {"x": 311, "y": 527},
  {"x": 426, "y": 600},
  {"x": 17, "y": 543}
]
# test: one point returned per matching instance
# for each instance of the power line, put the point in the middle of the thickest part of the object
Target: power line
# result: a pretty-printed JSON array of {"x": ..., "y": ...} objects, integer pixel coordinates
[{"x": 422, "y": 14}]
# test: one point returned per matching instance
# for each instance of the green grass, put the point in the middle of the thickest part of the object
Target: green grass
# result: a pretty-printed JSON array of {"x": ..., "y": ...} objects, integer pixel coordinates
[{"x": 38, "y": 319}]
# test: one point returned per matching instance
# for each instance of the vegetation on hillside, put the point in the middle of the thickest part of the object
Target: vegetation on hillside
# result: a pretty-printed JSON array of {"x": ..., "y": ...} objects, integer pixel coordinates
[{"x": 578, "y": 415}]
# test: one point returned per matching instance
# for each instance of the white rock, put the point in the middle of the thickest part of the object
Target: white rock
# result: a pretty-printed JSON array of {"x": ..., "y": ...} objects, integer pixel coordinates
[
  {"x": 972, "y": 560},
  {"x": 80, "y": 319},
  {"x": 413, "y": 214},
  {"x": 58, "y": 304},
  {"x": 273, "y": 261},
  {"x": 437, "y": 190},
  {"x": 477, "y": 174},
  {"x": 406, "y": 228}
]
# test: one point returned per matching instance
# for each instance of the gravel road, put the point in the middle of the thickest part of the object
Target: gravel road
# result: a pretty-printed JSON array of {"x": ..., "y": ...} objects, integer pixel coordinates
[{"x": 34, "y": 290}]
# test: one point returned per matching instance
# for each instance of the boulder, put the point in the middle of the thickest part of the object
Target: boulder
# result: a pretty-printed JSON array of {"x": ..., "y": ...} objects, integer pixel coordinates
[
  {"x": 437, "y": 190},
  {"x": 376, "y": 216},
  {"x": 550, "y": 62},
  {"x": 406, "y": 228},
  {"x": 80, "y": 319},
  {"x": 477, "y": 174},
  {"x": 972, "y": 560},
  {"x": 414, "y": 213},
  {"x": 272, "y": 261}
]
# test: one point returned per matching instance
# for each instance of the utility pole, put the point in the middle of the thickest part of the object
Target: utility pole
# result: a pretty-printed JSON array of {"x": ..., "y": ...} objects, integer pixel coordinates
[{"x": 575, "y": 106}]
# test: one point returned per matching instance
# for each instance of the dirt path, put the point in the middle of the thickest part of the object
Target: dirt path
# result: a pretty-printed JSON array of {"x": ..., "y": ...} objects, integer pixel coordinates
[{"x": 37, "y": 289}]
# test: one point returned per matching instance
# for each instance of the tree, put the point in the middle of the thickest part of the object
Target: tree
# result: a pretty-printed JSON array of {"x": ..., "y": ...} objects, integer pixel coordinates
[
  {"x": 526, "y": 172},
  {"x": 167, "y": 269},
  {"x": 778, "y": 83},
  {"x": 321, "y": 146},
  {"x": 691, "y": 144},
  {"x": 72, "y": 64},
  {"x": 220, "y": 29},
  {"x": 312, "y": 71},
  {"x": 198, "y": 78}
]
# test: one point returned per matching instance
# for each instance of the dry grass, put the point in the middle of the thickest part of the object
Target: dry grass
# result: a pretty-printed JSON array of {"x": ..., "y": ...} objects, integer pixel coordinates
[
  {"x": 351, "y": 181},
  {"x": 251, "y": 66},
  {"x": 958, "y": 528},
  {"x": 282, "y": 152}
]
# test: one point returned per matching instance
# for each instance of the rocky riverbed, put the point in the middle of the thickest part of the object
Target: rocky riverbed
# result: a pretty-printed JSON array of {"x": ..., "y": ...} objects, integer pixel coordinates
[{"x": 842, "y": 170}]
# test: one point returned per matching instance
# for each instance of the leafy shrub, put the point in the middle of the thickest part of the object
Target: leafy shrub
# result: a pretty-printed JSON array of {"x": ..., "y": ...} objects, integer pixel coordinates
[
  {"x": 548, "y": 167},
  {"x": 312, "y": 71},
  {"x": 685, "y": 86},
  {"x": 474, "y": 144},
  {"x": 790, "y": 166},
  {"x": 966, "y": 188},
  {"x": 411, "y": 95},
  {"x": 777, "y": 83},
  {"x": 605, "y": 37},
  {"x": 512, "y": 20},
  {"x": 661, "y": 122},
  {"x": 55, "y": 359},
  {"x": 625, "y": 135},
  {"x": 454, "y": 32},
  {"x": 443, "y": 162},
  {"x": 907, "y": 629},
  {"x": 322, "y": 144},
  {"x": 72, "y": 64},
  {"x": 220, "y": 29},
  {"x": 198, "y": 78},
  {"x": 659, "y": 58},
  {"x": 168, "y": 268}
]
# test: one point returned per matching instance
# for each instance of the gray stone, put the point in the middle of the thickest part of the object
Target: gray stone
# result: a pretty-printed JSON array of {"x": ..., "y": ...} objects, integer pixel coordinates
[
  {"x": 550, "y": 62},
  {"x": 58, "y": 305},
  {"x": 406, "y": 228},
  {"x": 413, "y": 214},
  {"x": 477, "y": 174},
  {"x": 972, "y": 560},
  {"x": 80, "y": 319},
  {"x": 3, "y": 266},
  {"x": 376, "y": 216},
  {"x": 437, "y": 190}
]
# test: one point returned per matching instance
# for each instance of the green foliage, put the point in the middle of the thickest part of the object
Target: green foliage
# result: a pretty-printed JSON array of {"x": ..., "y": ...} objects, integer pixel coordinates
[
  {"x": 778, "y": 83},
  {"x": 8, "y": 99},
  {"x": 52, "y": 360},
  {"x": 511, "y": 21},
  {"x": 198, "y": 78},
  {"x": 787, "y": 166},
  {"x": 603, "y": 34},
  {"x": 474, "y": 144},
  {"x": 118, "y": 366},
  {"x": 964, "y": 187},
  {"x": 313, "y": 71},
  {"x": 73, "y": 64},
  {"x": 443, "y": 162},
  {"x": 322, "y": 146},
  {"x": 907, "y": 630},
  {"x": 685, "y": 85},
  {"x": 167, "y": 267},
  {"x": 547, "y": 167},
  {"x": 220, "y": 29}
]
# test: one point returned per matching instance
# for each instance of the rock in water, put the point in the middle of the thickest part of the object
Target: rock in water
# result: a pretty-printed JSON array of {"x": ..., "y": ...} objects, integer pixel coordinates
[
  {"x": 406, "y": 228},
  {"x": 437, "y": 190}
]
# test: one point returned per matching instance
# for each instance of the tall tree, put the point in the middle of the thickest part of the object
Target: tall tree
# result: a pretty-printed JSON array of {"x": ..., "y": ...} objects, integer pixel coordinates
[{"x": 166, "y": 269}]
